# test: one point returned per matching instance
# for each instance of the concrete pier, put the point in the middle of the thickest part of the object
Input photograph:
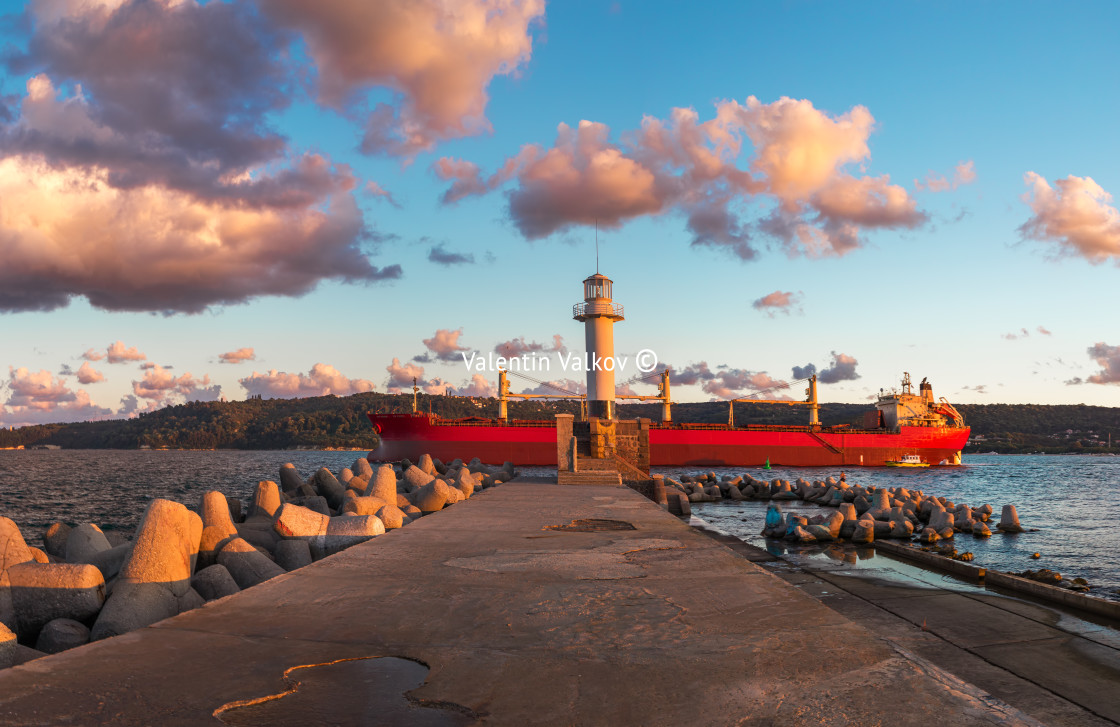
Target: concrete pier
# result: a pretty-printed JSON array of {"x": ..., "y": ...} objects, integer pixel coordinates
[{"x": 527, "y": 604}]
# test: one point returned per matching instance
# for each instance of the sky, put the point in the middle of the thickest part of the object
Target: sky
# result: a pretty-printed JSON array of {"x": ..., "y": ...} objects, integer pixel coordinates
[{"x": 205, "y": 200}]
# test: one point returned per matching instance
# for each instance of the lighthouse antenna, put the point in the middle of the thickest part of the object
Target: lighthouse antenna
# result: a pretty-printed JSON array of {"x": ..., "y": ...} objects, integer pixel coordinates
[{"x": 596, "y": 245}]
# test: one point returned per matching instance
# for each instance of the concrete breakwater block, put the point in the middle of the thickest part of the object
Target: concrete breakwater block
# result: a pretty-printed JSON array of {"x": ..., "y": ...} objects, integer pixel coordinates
[
  {"x": 266, "y": 500},
  {"x": 294, "y": 521},
  {"x": 290, "y": 481},
  {"x": 214, "y": 582},
  {"x": 42, "y": 592},
  {"x": 157, "y": 572},
  {"x": 85, "y": 541},
  {"x": 292, "y": 554},
  {"x": 54, "y": 539},
  {"x": 246, "y": 564},
  {"x": 61, "y": 634},
  {"x": 383, "y": 484}
]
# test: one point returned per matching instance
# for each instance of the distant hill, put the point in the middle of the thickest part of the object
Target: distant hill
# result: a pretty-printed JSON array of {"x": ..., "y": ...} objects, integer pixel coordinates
[{"x": 330, "y": 421}]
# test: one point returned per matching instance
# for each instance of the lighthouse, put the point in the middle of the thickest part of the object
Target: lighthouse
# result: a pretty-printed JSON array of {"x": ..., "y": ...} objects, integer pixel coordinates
[{"x": 598, "y": 313}]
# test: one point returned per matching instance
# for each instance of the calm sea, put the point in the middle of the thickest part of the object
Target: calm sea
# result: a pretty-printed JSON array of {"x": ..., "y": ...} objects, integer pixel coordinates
[{"x": 1069, "y": 502}]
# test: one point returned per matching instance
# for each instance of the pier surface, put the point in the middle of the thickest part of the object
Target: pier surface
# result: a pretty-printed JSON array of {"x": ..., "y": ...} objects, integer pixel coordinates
[{"x": 530, "y": 603}]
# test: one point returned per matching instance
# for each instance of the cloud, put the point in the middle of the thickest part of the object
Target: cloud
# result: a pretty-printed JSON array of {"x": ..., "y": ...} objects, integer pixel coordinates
[
  {"x": 321, "y": 380},
  {"x": 155, "y": 184},
  {"x": 1108, "y": 358},
  {"x": 160, "y": 385},
  {"x": 441, "y": 256},
  {"x": 1044, "y": 331},
  {"x": 804, "y": 372},
  {"x": 88, "y": 375},
  {"x": 1076, "y": 216},
  {"x": 118, "y": 353},
  {"x": 479, "y": 386},
  {"x": 377, "y": 190},
  {"x": 516, "y": 347},
  {"x": 239, "y": 356},
  {"x": 92, "y": 355},
  {"x": 979, "y": 388},
  {"x": 724, "y": 382},
  {"x": 557, "y": 388},
  {"x": 401, "y": 375},
  {"x": 843, "y": 368},
  {"x": 438, "y": 57},
  {"x": 1022, "y": 333},
  {"x": 796, "y": 164},
  {"x": 963, "y": 173},
  {"x": 40, "y": 398},
  {"x": 444, "y": 345},
  {"x": 778, "y": 302}
]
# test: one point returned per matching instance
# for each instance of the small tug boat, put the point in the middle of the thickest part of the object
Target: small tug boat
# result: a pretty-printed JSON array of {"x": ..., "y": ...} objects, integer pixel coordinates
[{"x": 908, "y": 460}]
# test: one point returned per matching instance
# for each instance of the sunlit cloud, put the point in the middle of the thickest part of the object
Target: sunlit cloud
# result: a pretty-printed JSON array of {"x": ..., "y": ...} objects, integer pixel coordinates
[
  {"x": 321, "y": 380},
  {"x": 443, "y": 346},
  {"x": 141, "y": 173},
  {"x": 724, "y": 382},
  {"x": 119, "y": 353},
  {"x": 516, "y": 347},
  {"x": 1108, "y": 358},
  {"x": 963, "y": 173},
  {"x": 41, "y": 398},
  {"x": 160, "y": 385},
  {"x": 438, "y": 57},
  {"x": 239, "y": 356},
  {"x": 797, "y": 163},
  {"x": 779, "y": 302},
  {"x": 88, "y": 375},
  {"x": 1075, "y": 214}
]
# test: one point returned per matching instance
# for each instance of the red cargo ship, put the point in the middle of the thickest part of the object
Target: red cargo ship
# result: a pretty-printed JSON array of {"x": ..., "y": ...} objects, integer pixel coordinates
[{"x": 900, "y": 424}]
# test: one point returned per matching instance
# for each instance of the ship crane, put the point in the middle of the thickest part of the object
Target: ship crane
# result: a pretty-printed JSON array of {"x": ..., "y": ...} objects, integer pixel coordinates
[
  {"x": 810, "y": 401},
  {"x": 504, "y": 394},
  {"x": 662, "y": 395}
]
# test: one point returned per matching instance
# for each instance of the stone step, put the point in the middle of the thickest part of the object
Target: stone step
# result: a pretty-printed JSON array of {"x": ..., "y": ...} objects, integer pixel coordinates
[{"x": 589, "y": 477}]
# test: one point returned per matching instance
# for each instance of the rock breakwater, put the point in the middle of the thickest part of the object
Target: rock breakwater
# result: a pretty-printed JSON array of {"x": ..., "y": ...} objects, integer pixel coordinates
[{"x": 86, "y": 584}]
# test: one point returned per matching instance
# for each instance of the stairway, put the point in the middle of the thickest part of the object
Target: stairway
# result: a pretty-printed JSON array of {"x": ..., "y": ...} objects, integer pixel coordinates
[{"x": 592, "y": 471}]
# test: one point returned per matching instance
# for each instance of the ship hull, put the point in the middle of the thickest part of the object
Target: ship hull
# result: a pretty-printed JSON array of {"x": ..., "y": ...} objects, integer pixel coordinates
[{"x": 701, "y": 445}]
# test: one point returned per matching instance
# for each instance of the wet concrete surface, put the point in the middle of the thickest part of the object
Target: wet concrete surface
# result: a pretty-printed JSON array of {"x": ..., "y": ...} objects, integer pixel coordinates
[{"x": 1058, "y": 667}]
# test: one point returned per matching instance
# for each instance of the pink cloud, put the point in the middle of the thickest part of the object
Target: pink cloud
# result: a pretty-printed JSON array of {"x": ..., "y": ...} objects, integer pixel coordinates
[
  {"x": 518, "y": 346},
  {"x": 444, "y": 344},
  {"x": 93, "y": 355},
  {"x": 558, "y": 387},
  {"x": 40, "y": 398},
  {"x": 118, "y": 353},
  {"x": 778, "y": 302},
  {"x": 239, "y": 356},
  {"x": 88, "y": 375},
  {"x": 321, "y": 380},
  {"x": 377, "y": 190},
  {"x": 157, "y": 184},
  {"x": 723, "y": 382},
  {"x": 1076, "y": 216},
  {"x": 160, "y": 385},
  {"x": 842, "y": 368},
  {"x": 963, "y": 173},
  {"x": 1108, "y": 358},
  {"x": 439, "y": 57},
  {"x": 401, "y": 375},
  {"x": 797, "y": 160},
  {"x": 479, "y": 386},
  {"x": 1044, "y": 331}
]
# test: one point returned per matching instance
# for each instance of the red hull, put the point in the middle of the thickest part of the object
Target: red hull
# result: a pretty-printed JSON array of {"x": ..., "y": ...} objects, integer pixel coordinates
[{"x": 533, "y": 443}]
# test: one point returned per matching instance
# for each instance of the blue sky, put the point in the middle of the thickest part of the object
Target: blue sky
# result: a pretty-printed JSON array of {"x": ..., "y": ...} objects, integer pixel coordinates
[{"x": 121, "y": 221}]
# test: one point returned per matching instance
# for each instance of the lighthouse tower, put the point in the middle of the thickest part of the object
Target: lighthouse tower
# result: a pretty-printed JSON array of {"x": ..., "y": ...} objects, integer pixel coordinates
[{"x": 598, "y": 314}]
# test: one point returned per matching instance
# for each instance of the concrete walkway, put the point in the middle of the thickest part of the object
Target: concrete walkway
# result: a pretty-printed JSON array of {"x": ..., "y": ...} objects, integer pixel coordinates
[{"x": 507, "y": 609}]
